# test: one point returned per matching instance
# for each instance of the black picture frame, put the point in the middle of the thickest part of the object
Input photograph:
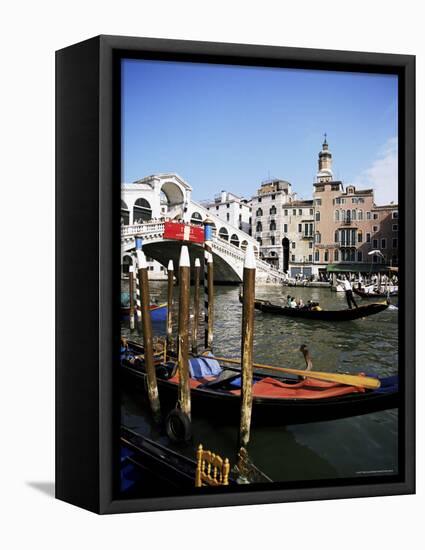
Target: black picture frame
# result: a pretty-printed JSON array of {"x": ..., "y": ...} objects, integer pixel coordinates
[{"x": 87, "y": 269}]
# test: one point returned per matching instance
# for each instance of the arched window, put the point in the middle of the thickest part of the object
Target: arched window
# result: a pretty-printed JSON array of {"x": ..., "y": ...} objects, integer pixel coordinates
[
  {"x": 336, "y": 236},
  {"x": 196, "y": 218},
  {"x": 272, "y": 210},
  {"x": 337, "y": 215},
  {"x": 234, "y": 240},
  {"x": 272, "y": 253},
  {"x": 259, "y": 212},
  {"x": 359, "y": 236},
  {"x": 317, "y": 238},
  {"x": 360, "y": 215},
  {"x": 244, "y": 244},
  {"x": 259, "y": 226},
  {"x": 342, "y": 215},
  {"x": 336, "y": 255},
  {"x": 353, "y": 215},
  {"x": 223, "y": 234},
  {"x": 142, "y": 211},
  {"x": 272, "y": 225}
]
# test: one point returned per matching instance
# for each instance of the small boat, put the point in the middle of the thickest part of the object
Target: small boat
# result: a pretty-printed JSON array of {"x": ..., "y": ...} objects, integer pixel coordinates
[
  {"x": 281, "y": 400},
  {"x": 318, "y": 314},
  {"x": 375, "y": 293},
  {"x": 148, "y": 466},
  {"x": 158, "y": 312}
]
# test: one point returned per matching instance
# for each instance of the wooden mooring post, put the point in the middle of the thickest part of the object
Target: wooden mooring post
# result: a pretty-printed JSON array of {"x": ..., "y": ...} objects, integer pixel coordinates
[
  {"x": 169, "y": 325},
  {"x": 138, "y": 243},
  {"x": 183, "y": 343},
  {"x": 247, "y": 347},
  {"x": 131, "y": 291},
  {"x": 152, "y": 386},
  {"x": 196, "y": 307}
]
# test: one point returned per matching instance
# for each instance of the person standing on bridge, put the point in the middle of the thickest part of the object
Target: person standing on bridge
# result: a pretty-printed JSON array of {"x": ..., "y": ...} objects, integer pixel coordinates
[{"x": 346, "y": 285}]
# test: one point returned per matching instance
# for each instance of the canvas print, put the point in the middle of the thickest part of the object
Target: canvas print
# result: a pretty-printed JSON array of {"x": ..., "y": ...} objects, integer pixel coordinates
[{"x": 259, "y": 278}]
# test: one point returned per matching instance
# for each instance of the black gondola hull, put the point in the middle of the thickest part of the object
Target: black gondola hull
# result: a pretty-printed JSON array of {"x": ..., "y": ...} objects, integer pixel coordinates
[{"x": 225, "y": 406}]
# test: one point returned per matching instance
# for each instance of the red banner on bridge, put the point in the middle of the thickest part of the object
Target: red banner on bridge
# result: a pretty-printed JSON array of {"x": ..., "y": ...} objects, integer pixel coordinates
[{"x": 184, "y": 232}]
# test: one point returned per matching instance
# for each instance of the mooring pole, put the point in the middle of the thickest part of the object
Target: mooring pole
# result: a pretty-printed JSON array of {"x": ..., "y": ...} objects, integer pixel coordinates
[
  {"x": 247, "y": 346},
  {"x": 183, "y": 344},
  {"x": 196, "y": 308},
  {"x": 208, "y": 285},
  {"x": 147, "y": 336},
  {"x": 169, "y": 327},
  {"x": 139, "y": 242},
  {"x": 131, "y": 291}
]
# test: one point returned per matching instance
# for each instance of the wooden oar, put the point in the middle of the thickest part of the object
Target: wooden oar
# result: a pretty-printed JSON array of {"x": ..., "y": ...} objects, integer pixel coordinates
[{"x": 347, "y": 379}]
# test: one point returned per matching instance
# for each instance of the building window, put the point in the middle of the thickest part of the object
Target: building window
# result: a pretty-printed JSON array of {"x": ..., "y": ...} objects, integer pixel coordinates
[
  {"x": 317, "y": 238},
  {"x": 337, "y": 215},
  {"x": 300, "y": 212},
  {"x": 368, "y": 237},
  {"x": 317, "y": 216},
  {"x": 259, "y": 199},
  {"x": 318, "y": 202},
  {"x": 272, "y": 210},
  {"x": 375, "y": 216},
  {"x": 300, "y": 228},
  {"x": 310, "y": 257},
  {"x": 311, "y": 211},
  {"x": 375, "y": 243},
  {"x": 316, "y": 256},
  {"x": 227, "y": 205},
  {"x": 360, "y": 215},
  {"x": 395, "y": 227},
  {"x": 326, "y": 258},
  {"x": 395, "y": 243},
  {"x": 259, "y": 212},
  {"x": 310, "y": 244},
  {"x": 285, "y": 212},
  {"x": 353, "y": 215},
  {"x": 216, "y": 207},
  {"x": 359, "y": 237},
  {"x": 293, "y": 244},
  {"x": 259, "y": 226},
  {"x": 395, "y": 215},
  {"x": 260, "y": 241},
  {"x": 383, "y": 243},
  {"x": 368, "y": 216},
  {"x": 273, "y": 197},
  {"x": 294, "y": 212},
  {"x": 272, "y": 225},
  {"x": 342, "y": 215},
  {"x": 336, "y": 236},
  {"x": 285, "y": 228},
  {"x": 336, "y": 255},
  {"x": 359, "y": 256},
  {"x": 375, "y": 228},
  {"x": 272, "y": 241},
  {"x": 293, "y": 257},
  {"x": 227, "y": 216}
]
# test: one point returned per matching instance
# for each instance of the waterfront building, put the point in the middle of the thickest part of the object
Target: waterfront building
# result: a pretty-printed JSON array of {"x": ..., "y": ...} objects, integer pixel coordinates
[
  {"x": 232, "y": 209},
  {"x": 348, "y": 224}
]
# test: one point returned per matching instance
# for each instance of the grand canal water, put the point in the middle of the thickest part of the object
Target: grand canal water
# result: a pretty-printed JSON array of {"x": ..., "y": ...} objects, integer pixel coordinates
[{"x": 350, "y": 447}]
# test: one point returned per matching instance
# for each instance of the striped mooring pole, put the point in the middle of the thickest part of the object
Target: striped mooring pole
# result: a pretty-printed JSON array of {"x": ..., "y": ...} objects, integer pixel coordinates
[
  {"x": 131, "y": 291},
  {"x": 196, "y": 308},
  {"x": 208, "y": 285}
]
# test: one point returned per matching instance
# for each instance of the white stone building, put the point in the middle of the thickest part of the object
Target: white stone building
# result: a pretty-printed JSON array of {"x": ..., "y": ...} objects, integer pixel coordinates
[{"x": 233, "y": 209}]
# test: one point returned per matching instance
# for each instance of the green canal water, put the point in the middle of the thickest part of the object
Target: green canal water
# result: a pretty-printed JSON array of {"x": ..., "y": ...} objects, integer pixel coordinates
[{"x": 350, "y": 447}]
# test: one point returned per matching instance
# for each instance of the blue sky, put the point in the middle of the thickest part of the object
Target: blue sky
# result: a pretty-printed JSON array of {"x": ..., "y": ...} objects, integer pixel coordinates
[{"x": 226, "y": 127}]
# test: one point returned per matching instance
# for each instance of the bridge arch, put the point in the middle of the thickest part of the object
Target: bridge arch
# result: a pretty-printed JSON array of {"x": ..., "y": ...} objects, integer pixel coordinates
[
  {"x": 234, "y": 240},
  {"x": 142, "y": 211},
  {"x": 125, "y": 213},
  {"x": 174, "y": 194},
  {"x": 223, "y": 234}
]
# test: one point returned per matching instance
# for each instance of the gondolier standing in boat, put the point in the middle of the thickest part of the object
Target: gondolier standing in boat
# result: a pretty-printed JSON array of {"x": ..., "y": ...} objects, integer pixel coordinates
[{"x": 346, "y": 285}]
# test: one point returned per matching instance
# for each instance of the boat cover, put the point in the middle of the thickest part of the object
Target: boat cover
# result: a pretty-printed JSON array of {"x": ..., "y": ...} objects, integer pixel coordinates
[{"x": 201, "y": 367}]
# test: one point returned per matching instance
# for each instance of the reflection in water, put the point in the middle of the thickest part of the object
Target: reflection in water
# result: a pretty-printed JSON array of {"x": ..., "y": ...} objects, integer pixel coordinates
[{"x": 339, "y": 448}]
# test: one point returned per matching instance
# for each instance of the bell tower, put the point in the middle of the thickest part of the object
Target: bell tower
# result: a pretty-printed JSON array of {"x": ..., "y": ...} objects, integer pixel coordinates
[{"x": 325, "y": 164}]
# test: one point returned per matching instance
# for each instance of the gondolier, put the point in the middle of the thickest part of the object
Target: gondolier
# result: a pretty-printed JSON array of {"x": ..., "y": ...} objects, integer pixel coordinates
[{"x": 346, "y": 285}]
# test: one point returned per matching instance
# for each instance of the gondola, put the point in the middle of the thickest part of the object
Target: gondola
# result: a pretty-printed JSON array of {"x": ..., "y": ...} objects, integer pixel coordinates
[
  {"x": 320, "y": 314},
  {"x": 148, "y": 466},
  {"x": 276, "y": 399},
  {"x": 374, "y": 294},
  {"x": 158, "y": 312}
]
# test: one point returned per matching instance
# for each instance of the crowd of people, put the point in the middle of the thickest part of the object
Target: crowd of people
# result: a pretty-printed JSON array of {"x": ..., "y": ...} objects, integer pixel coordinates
[{"x": 299, "y": 304}]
